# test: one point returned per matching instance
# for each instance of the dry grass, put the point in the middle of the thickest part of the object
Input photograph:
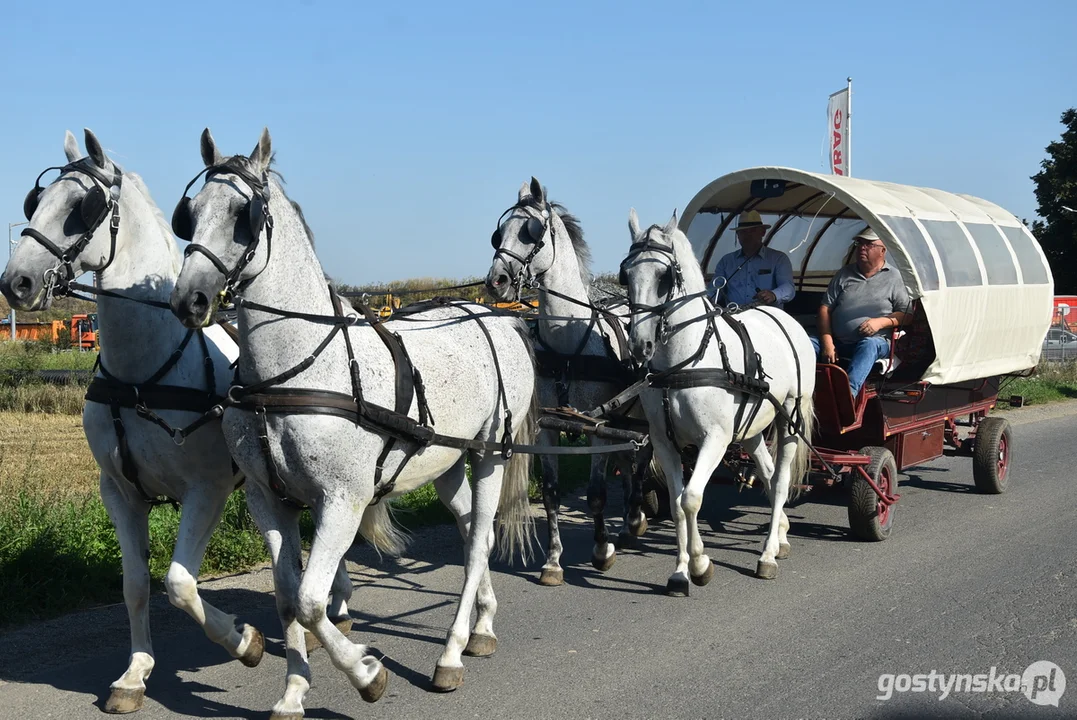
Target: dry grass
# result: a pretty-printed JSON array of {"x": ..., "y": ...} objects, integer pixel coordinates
[
  {"x": 43, "y": 399},
  {"x": 43, "y": 453}
]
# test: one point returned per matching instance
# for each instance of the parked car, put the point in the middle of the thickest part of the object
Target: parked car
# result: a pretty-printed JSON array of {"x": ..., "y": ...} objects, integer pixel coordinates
[{"x": 1057, "y": 336}]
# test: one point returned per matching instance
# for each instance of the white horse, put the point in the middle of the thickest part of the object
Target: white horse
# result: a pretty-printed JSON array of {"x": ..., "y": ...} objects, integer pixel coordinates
[
  {"x": 140, "y": 260},
  {"x": 579, "y": 355},
  {"x": 250, "y": 239},
  {"x": 676, "y": 328}
]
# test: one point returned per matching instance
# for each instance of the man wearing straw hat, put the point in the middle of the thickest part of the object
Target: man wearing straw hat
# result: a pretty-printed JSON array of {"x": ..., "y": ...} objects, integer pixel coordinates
[{"x": 755, "y": 272}]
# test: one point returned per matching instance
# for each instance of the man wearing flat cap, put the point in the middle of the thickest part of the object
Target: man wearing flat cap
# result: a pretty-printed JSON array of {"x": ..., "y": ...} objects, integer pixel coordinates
[
  {"x": 865, "y": 301},
  {"x": 755, "y": 272}
]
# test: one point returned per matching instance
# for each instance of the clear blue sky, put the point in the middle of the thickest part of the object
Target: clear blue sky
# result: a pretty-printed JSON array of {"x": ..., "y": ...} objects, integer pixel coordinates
[{"x": 405, "y": 129}]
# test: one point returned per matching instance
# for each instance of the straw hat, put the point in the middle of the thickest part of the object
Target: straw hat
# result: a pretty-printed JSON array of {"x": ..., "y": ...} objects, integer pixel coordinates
[{"x": 749, "y": 220}]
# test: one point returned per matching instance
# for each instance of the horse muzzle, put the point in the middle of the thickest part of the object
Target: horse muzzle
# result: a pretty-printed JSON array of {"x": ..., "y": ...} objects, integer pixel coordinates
[
  {"x": 194, "y": 308},
  {"x": 499, "y": 284},
  {"x": 24, "y": 292}
]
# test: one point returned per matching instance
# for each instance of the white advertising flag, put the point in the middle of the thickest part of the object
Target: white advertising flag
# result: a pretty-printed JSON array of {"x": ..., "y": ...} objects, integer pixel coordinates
[{"x": 837, "y": 114}]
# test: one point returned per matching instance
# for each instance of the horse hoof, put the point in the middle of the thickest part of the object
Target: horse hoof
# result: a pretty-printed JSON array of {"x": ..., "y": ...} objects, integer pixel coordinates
[
  {"x": 373, "y": 692},
  {"x": 257, "y": 646},
  {"x": 552, "y": 577},
  {"x": 285, "y": 716},
  {"x": 637, "y": 529},
  {"x": 677, "y": 587},
  {"x": 766, "y": 570},
  {"x": 705, "y": 578},
  {"x": 603, "y": 564},
  {"x": 123, "y": 701},
  {"x": 784, "y": 550},
  {"x": 625, "y": 540},
  {"x": 447, "y": 679},
  {"x": 479, "y": 645}
]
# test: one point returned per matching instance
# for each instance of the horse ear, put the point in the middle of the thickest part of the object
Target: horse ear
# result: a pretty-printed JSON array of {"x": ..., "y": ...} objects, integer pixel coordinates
[
  {"x": 71, "y": 148},
  {"x": 633, "y": 223},
  {"x": 672, "y": 224},
  {"x": 263, "y": 152},
  {"x": 536, "y": 190},
  {"x": 95, "y": 151},
  {"x": 210, "y": 154},
  {"x": 525, "y": 192}
]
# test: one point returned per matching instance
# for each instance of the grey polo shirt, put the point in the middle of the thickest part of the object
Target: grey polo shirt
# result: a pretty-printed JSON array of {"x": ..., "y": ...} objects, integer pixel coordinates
[{"x": 853, "y": 298}]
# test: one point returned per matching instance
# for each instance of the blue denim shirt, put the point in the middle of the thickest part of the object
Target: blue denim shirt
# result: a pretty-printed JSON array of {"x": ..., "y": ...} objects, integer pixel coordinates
[{"x": 767, "y": 270}]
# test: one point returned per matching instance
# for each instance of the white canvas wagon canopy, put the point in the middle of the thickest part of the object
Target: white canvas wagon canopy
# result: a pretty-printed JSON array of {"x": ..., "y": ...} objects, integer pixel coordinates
[{"x": 981, "y": 278}]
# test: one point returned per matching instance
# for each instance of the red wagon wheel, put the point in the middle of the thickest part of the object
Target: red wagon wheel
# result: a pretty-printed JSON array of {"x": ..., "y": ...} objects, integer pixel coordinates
[
  {"x": 991, "y": 455},
  {"x": 870, "y": 518}
]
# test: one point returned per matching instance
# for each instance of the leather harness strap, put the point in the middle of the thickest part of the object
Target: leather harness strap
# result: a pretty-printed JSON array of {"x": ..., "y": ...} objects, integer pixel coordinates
[{"x": 149, "y": 396}]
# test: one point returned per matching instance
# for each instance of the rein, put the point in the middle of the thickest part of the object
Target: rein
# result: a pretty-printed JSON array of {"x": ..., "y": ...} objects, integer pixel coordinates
[{"x": 267, "y": 397}]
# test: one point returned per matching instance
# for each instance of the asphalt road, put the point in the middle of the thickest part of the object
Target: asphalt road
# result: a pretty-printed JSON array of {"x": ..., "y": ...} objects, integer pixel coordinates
[{"x": 967, "y": 583}]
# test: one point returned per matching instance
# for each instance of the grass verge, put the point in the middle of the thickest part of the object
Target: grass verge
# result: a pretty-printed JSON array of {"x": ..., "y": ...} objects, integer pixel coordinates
[
  {"x": 1051, "y": 383},
  {"x": 60, "y": 555},
  {"x": 58, "y": 549}
]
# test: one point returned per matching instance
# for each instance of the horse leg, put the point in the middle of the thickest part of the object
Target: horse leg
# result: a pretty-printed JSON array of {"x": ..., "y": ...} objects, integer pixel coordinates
[
  {"x": 711, "y": 452},
  {"x": 756, "y": 447},
  {"x": 341, "y": 594},
  {"x": 637, "y": 519},
  {"x": 670, "y": 460},
  {"x": 279, "y": 524},
  {"x": 130, "y": 517},
  {"x": 552, "y": 574},
  {"x": 337, "y": 523},
  {"x": 486, "y": 472},
  {"x": 787, "y": 445},
  {"x": 603, "y": 554},
  {"x": 338, "y": 606},
  {"x": 455, "y": 493},
  {"x": 202, "y": 508},
  {"x": 632, "y": 467}
]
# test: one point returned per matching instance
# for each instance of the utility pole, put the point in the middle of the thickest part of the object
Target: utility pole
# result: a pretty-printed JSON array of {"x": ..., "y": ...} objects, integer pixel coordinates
[
  {"x": 11, "y": 226},
  {"x": 849, "y": 126}
]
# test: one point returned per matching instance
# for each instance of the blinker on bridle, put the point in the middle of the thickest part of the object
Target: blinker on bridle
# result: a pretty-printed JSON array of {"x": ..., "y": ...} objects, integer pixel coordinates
[
  {"x": 673, "y": 271},
  {"x": 259, "y": 217},
  {"x": 536, "y": 230},
  {"x": 99, "y": 202}
]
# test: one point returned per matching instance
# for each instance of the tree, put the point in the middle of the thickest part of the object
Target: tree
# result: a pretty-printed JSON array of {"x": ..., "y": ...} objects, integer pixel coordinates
[{"x": 1056, "y": 190}]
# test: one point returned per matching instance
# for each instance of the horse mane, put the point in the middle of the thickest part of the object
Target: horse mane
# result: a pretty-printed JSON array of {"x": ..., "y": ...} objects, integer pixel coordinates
[
  {"x": 130, "y": 178},
  {"x": 245, "y": 162}
]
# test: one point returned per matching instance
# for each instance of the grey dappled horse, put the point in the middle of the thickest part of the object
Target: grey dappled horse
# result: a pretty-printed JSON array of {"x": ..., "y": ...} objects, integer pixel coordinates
[
  {"x": 74, "y": 215},
  {"x": 673, "y": 323},
  {"x": 329, "y": 462},
  {"x": 539, "y": 243}
]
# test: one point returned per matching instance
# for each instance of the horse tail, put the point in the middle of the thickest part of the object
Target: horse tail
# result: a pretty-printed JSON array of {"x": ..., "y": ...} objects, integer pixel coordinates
[
  {"x": 378, "y": 528},
  {"x": 515, "y": 524},
  {"x": 802, "y": 458}
]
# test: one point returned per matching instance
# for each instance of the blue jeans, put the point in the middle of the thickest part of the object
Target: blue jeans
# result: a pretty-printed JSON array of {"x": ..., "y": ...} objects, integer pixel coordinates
[{"x": 863, "y": 352}]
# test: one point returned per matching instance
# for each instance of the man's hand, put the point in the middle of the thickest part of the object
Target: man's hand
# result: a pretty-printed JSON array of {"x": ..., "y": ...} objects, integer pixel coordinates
[
  {"x": 766, "y": 296},
  {"x": 828, "y": 351},
  {"x": 873, "y": 325}
]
